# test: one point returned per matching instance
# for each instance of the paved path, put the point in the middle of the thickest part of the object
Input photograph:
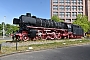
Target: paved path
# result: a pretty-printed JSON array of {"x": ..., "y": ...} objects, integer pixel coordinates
[
  {"x": 6, "y": 38},
  {"x": 68, "y": 53}
]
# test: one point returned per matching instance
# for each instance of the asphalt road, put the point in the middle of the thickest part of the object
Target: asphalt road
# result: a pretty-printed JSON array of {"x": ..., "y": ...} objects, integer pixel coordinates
[{"x": 68, "y": 53}]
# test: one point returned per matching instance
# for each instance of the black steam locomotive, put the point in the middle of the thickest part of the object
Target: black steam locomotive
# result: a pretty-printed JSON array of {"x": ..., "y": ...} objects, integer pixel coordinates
[{"x": 31, "y": 27}]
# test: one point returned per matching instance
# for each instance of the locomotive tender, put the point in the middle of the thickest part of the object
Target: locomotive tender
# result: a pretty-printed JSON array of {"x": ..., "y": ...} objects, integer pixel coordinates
[{"x": 33, "y": 28}]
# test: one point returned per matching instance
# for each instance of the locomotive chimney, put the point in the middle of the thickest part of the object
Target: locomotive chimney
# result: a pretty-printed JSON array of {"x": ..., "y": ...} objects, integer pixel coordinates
[{"x": 28, "y": 14}]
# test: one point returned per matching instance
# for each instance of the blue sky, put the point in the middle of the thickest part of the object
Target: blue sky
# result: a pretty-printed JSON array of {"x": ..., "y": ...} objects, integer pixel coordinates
[{"x": 14, "y": 8}]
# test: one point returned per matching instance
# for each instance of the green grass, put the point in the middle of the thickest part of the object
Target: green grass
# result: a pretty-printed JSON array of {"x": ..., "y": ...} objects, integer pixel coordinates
[
  {"x": 1, "y": 41},
  {"x": 65, "y": 43},
  {"x": 58, "y": 44}
]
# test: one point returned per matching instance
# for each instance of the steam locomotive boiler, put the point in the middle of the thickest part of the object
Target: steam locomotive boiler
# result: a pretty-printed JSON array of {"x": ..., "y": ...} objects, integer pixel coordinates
[{"x": 33, "y": 28}]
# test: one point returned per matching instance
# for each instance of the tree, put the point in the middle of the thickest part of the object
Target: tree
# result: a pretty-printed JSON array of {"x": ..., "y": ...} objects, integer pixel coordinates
[
  {"x": 14, "y": 27},
  {"x": 8, "y": 28},
  {"x": 11, "y": 28},
  {"x": 56, "y": 19},
  {"x": 1, "y": 29},
  {"x": 82, "y": 20}
]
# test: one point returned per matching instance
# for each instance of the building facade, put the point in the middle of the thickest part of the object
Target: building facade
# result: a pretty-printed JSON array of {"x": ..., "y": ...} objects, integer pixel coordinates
[{"x": 68, "y": 10}]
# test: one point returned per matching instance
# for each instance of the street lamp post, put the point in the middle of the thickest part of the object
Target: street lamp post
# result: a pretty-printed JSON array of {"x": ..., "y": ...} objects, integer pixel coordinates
[{"x": 4, "y": 28}]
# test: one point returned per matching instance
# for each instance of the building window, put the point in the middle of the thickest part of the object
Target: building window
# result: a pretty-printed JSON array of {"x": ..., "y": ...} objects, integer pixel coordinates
[
  {"x": 61, "y": 8},
  {"x": 67, "y": 2},
  {"x": 80, "y": 2},
  {"x": 74, "y": 2},
  {"x": 55, "y": 13},
  {"x": 68, "y": 14},
  {"x": 74, "y": 14},
  {"x": 55, "y": 7},
  {"x": 80, "y": 13},
  {"x": 80, "y": 8},
  {"x": 74, "y": 8},
  {"x": 62, "y": 14},
  {"x": 67, "y": 8},
  {"x": 63, "y": 19},
  {"x": 55, "y": 1},
  {"x": 61, "y": 2},
  {"x": 68, "y": 20}
]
